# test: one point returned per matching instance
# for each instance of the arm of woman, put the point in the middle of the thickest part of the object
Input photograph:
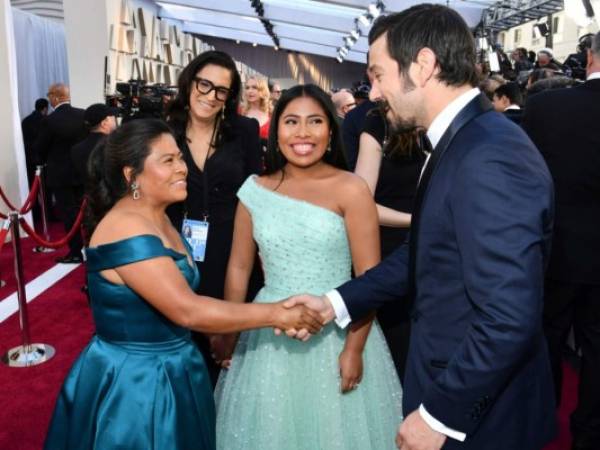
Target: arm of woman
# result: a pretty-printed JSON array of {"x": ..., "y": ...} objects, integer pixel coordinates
[
  {"x": 160, "y": 283},
  {"x": 367, "y": 167},
  {"x": 239, "y": 268},
  {"x": 363, "y": 234},
  {"x": 241, "y": 258}
]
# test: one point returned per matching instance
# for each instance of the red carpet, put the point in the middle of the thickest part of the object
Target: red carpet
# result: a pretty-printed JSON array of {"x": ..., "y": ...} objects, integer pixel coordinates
[{"x": 61, "y": 317}]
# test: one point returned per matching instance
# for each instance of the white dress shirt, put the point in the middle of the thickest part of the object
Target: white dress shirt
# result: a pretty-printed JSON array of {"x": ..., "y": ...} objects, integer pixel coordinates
[
  {"x": 593, "y": 76},
  {"x": 342, "y": 317}
]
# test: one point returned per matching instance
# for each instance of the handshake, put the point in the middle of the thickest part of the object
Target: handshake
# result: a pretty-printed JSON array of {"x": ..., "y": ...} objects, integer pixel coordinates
[
  {"x": 299, "y": 317},
  {"x": 303, "y": 315}
]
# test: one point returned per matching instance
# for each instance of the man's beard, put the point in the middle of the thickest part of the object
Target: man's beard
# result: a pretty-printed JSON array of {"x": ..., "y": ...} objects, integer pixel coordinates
[{"x": 399, "y": 125}]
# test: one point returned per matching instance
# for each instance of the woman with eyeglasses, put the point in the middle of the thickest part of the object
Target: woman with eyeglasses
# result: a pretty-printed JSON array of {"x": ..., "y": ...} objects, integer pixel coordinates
[{"x": 221, "y": 149}]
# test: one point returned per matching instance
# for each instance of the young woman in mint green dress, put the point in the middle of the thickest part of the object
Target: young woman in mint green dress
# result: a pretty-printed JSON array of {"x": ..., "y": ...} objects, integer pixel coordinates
[
  {"x": 141, "y": 383},
  {"x": 312, "y": 221}
]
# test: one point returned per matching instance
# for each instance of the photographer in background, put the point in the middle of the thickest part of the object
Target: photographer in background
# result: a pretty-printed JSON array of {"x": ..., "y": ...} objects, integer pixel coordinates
[{"x": 577, "y": 62}]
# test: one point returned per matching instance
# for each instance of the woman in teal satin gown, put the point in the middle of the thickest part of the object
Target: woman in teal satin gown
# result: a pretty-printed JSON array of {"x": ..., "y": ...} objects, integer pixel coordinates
[{"x": 141, "y": 383}]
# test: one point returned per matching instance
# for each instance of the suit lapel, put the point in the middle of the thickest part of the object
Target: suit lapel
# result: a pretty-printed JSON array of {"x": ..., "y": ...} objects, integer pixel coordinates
[{"x": 474, "y": 108}]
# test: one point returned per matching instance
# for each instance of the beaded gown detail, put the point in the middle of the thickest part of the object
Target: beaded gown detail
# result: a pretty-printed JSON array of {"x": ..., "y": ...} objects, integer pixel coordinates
[
  {"x": 280, "y": 393},
  {"x": 140, "y": 384}
]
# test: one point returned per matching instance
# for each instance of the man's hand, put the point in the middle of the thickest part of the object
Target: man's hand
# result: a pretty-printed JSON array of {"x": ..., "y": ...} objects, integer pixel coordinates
[
  {"x": 322, "y": 305},
  {"x": 415, "y": 434}
]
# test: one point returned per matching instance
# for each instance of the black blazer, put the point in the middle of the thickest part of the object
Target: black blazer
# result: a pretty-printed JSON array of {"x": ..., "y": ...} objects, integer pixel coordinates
[
  {"x": 59, "y": 131},
  {"x": 565, "y": 126},
  {"x": 31, "y": 127},
  {"x": 80, "y": 153},
  {"x": 238, "y": 157},
  {"x": 479, "y": 240}
]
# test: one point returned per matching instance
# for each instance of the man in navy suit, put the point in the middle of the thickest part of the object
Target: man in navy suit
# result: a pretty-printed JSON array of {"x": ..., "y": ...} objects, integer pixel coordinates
[{"x": 478, "y": 375}]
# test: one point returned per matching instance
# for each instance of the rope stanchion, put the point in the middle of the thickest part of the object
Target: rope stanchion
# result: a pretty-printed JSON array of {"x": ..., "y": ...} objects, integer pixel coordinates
[
  {"x": 28, "y": 201},
  {"x": 3, "y": 234},
  {"x": 27, "y": 354},
  {"x": 42, "y": 202},
  {"x": 7, "y": 201},
  {"x": 40, "y": 241}
]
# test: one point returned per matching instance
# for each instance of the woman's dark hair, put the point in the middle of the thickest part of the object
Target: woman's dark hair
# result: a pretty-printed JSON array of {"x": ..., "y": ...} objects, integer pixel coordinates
[
  {"x": 436, "y": 27},
  {"x": 274, "y": 159},
  {"x": 178, "y": 110},
  {"x": 127, "y": 146}
]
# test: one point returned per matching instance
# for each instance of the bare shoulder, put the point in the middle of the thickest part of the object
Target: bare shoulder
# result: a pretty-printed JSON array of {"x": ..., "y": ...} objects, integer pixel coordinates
[
  {"x": 350, "y": 189},
  {"x": 270, "y": 181},
  {"x": 350, "y": 184},
  {"x": 121, "y": 224}
]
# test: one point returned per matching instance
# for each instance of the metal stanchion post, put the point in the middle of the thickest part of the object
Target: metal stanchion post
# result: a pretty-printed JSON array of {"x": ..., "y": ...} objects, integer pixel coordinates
[
  {"x": 27, "y": 354},
  {"x": 42, "y": 201}
]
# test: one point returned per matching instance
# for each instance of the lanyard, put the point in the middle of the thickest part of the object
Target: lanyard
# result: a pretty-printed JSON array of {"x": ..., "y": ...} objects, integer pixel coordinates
[{"x": 204, "y": 173}]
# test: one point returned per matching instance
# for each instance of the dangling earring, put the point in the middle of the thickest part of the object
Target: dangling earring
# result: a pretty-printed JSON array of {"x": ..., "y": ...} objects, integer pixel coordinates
[
  {"x": 136, "y": 191},
  {"x": 223, "y": 113},
  {"x": 329, "y": 146}
]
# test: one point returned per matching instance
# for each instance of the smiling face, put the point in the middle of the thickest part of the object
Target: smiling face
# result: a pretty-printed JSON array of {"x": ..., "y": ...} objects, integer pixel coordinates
[
  {"x": 163, "y": 179},
  {"x": 303, "y": 132},
  {"x": 205, "y": 107},
  {"x": 402, "y": 98}
]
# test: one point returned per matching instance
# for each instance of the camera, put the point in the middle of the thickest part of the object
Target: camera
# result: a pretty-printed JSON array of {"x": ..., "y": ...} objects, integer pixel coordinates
[{"x": 136, "y": 99}]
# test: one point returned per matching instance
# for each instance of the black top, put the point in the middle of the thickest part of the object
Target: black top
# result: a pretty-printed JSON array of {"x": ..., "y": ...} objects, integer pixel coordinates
[
  {"x": 80, "y": 153},
  {"x": 31, "y": 127},
  {"x": 59, "y": 131},
  {"x": 238, "y": 157},
  {"x": 351, "y": 128},
  {"x": 398, "y": 174},
  {"x": 563, "y": 124}
]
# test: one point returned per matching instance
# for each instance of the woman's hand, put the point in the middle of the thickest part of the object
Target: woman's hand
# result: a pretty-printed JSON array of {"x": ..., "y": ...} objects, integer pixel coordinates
[
  {"x": 351, "y": 369},
  {"x": 296, "y": 318},
  {"x": 222, "y": 347}
]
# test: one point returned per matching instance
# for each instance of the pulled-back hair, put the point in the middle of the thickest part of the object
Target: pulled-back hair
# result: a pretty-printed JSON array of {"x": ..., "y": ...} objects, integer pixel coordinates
[
  {"x": 274, "y": 159},
  {"x": 178, "y": 110},
  {"x": 127, "y": 146},
  {"x": 436, "y": 27}
]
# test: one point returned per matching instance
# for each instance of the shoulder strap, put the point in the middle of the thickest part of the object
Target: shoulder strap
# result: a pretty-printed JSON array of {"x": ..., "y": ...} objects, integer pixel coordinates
[{"x": 127, "y": 251}]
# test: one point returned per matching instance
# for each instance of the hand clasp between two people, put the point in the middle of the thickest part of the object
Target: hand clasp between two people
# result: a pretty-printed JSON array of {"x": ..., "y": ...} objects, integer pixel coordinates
[{"x": 319, "y": 305}]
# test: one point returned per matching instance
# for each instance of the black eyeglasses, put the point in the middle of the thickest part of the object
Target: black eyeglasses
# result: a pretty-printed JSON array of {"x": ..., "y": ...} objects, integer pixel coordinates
[{"x": 205, "y": 86}]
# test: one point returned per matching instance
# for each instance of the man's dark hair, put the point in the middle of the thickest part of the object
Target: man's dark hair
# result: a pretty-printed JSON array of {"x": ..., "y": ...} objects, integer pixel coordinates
[
  {"x": 436, "y": 27},
  {"x": 41, "y": 104},
  {"x": 512, "y": 91}
]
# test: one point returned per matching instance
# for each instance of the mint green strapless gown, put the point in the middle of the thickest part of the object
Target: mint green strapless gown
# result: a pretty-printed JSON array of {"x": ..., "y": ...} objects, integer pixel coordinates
[
  {"x": 140, "y": 384},
  {"x": 282, "y": 394}
]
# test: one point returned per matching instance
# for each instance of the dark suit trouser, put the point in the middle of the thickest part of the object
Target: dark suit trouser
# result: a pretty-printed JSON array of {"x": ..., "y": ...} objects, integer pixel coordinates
[
  {"x": 578, "y": 305},
  {"x": 68, "y": 201}
]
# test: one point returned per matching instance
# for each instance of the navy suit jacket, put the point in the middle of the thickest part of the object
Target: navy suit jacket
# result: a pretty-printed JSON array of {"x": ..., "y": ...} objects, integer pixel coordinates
[{"x": 475, "y": 261}]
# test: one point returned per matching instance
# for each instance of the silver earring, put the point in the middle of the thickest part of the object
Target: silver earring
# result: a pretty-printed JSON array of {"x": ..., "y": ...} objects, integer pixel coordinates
[
  {"x": 136, "y": 191},
  {"x": 329, "y": 146}
]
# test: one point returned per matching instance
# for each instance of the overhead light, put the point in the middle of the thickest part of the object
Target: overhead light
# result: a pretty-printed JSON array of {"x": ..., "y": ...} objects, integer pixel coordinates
[
  {"x": 237, "y": 41},
  {"x": 349, "y": 40},
  {"x": 364, "y": 19},
  {"x": 343, "y": 51},
  {"x": 276, "y": 47},
  {"x": 254, "y": 45},
  {"x": 355, "y": 34},
  {"x": 340, "y": 59},
  {"x": 375, "y": 10}
]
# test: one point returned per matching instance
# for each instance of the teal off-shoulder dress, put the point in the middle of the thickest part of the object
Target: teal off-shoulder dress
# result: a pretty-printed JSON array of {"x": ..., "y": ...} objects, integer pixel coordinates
[{"x": 140, "y": 383}]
